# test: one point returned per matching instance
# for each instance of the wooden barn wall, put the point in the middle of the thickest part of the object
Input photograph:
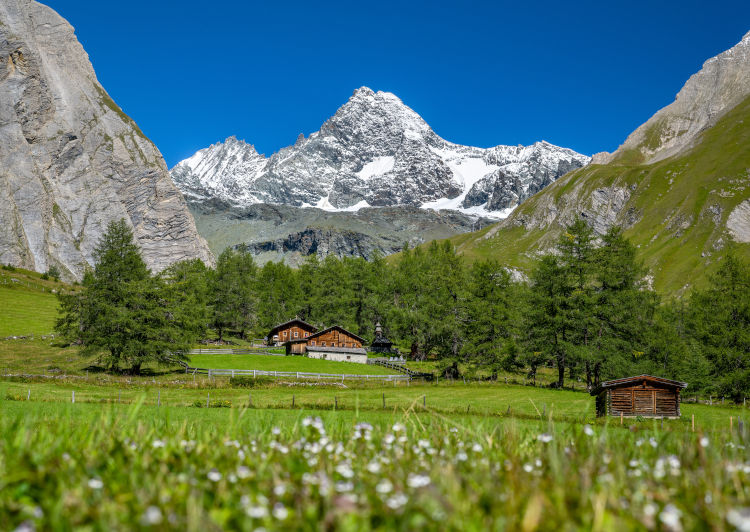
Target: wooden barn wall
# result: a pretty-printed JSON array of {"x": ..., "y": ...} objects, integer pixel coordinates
[
  {"x": 336, "y": 338},
  {"x": 643, "y": 401}
]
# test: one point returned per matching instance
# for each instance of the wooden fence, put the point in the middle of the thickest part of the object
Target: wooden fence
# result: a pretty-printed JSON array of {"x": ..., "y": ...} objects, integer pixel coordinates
[
  {"x": 210, "y": 372},
  {"x": 235, "y": 351}
]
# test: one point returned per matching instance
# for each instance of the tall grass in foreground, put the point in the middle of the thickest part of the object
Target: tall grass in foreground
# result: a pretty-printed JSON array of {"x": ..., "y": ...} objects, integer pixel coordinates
[{"x": 132, "y": 468}]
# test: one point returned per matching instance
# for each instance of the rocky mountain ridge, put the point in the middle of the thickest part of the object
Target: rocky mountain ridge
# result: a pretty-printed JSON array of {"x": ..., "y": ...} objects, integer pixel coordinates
[
  {"x": 375, "y": 151},
  {"x": 71, "y": 161},
  {"x": 719, "y": 86}
]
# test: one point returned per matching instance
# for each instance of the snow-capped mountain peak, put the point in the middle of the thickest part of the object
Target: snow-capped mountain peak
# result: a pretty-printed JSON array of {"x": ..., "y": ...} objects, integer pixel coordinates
[{"x": 375, "y": 151}]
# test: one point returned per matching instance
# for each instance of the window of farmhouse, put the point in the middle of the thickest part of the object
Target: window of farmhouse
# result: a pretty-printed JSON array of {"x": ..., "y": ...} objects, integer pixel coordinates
[{"x": 296, "y": 334}]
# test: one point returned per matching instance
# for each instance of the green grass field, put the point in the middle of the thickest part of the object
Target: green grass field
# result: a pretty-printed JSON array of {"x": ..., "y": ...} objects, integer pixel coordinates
[
  {"x": 144, "y": 452},
  {"x": 285, "y": 363},
  {"x": 27, "y": 304}
]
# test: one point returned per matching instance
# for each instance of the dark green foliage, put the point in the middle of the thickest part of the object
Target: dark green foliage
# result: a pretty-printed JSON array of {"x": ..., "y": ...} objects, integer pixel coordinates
[
  {"x": 54, "y": 272},
  {"x": 123, "y": 313},
  {"x": 719, "y": 321},
  {"x": 587, "y": 309},
  {"x": 233, "y": 296}
]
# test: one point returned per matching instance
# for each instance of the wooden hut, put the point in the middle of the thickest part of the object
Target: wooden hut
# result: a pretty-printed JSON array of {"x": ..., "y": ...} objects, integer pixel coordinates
[{"x": 644, "y": 395}]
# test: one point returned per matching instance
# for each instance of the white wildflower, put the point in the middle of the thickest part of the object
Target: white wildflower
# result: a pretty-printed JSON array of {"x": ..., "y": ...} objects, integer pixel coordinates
[
  {"x": 528, "y": 468},
  {"x": 345, "y": 470},
  {"x": 649, "y": 510},
  {"x": 703, "y": 441},
  {"x": 374, "y": 467},
  {"x": 653, "y": 443},
  {"x": 739, "y": 518},
  {"x": 214, "y": 475},
  {"x": 418, "y": 481},
  {"x": 384, "y": 486},
  {"x": 157, "y": 444},
  {"x": 96, "y": 484},
  {"x": 462, "y": 456},
  {"x": 476, "y": 448},
  {"x": 275, "y": 431},
  {"x": 280, "y": 512},
  {"x": 344, "y": 486},
  {"x": 256, "y": 512},
  {"x": 398, "y": 427},
  {"x": 588, "y": 431},
  {"x": 670, "y": 516},
  {"x": 152, "y": 516},
  {"x": 243, "y": 471},
  {"x": 544, "y": 438},
  {"x": 279, "y": 490},
  {"x": 396, "y": 501}
]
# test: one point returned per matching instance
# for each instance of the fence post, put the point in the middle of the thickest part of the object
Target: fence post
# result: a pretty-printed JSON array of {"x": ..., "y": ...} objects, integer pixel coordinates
[
  {"x": 292, "y": 400},
  {"x": 424, "y": 401},
  {"x": 28, "y": 397},
  {"x": 208, "y": 397},
  {"x": 335, "y": 403},
  {"x": 383, "y": 401},
  {"x": 249, "y": 400},
  {"x": 73, "y": 400},
  {"x": 158, "y": 398},
  {"x": 692, "y": 421}
]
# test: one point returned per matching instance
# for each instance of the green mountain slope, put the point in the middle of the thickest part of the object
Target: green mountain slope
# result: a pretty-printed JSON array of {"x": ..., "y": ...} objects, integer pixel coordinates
[{"x": 676, "y": 210}]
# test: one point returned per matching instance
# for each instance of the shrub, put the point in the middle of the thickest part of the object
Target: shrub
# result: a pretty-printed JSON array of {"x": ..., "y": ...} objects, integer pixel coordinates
[
  {"x": 249, "y": 382},
  {"x": 219, "y": 403}
]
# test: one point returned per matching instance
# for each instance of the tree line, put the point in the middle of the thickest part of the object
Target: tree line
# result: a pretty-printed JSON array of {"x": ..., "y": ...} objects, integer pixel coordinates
[{"x": 586, "y": 309}]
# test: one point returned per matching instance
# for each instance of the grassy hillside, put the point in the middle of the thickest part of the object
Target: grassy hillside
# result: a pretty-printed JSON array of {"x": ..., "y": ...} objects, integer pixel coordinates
[
  {"x": 676, "y": 212},
  {"x": 28, "y": 305}
]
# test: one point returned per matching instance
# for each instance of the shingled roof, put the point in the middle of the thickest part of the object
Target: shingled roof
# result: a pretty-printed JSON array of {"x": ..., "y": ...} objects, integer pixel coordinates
[{"x": 638, "y": 378}]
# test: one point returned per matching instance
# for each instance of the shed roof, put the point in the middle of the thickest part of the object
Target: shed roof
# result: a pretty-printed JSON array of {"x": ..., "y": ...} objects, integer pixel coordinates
[
  {"x": 340, "y": 329},
  {"x": 638, "y": 378},
  {"x": 302, "y": 323},
  {"x": 348, "y": 350}
]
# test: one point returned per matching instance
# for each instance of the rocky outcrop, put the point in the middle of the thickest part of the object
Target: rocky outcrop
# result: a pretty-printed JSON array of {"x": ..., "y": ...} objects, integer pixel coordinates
[
  {"x": 738, "y": 222},
  {"x": 71, "y": 161},
  {"x": 722, "y": 83},
  {"x": 375, "y": 151}
]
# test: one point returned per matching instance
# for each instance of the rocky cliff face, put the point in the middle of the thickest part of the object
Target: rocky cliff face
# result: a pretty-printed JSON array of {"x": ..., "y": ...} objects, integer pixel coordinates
[
  {"x": 722, "y": 83},
  {"x": 375, "y": 151},
  {"x": 71, "y": 160}
]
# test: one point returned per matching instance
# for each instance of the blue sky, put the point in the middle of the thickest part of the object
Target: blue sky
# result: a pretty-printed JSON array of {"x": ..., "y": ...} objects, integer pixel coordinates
[{"x": 581, "y": 75}]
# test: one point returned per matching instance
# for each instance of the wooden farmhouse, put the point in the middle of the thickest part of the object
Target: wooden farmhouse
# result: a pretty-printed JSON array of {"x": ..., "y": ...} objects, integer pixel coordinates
[
  {"x": 333, "y": 343},
  {"x": 643, "y": 395},
  {"x": 293, "y": 330}
]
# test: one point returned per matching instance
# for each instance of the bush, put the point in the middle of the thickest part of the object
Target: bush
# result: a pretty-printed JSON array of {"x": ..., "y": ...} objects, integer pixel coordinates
[
  {"x": 54, "y": 272},
  {"x": 9, "y": 267},
  {"x": 219, "y": 403},
  {"x": 249, "y": 382}
]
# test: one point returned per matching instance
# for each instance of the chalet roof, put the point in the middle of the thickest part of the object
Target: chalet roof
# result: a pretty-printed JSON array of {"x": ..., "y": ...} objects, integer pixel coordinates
[
  {"x": 340, "y": 329},
  {"x": 352, "y": 350},
  {"x": 303, "y": 324},
  {"x": 628, "y": 380}
]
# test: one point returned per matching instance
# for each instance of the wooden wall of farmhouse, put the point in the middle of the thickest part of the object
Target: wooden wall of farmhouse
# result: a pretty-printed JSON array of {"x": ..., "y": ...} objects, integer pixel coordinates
[
  {"x": 335, "y": 338},
  {"x": 293, "y": 332}
]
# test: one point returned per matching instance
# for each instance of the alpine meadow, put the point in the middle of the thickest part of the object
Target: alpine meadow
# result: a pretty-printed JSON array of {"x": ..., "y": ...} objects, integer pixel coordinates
[{"x": 373, "y": 328}]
